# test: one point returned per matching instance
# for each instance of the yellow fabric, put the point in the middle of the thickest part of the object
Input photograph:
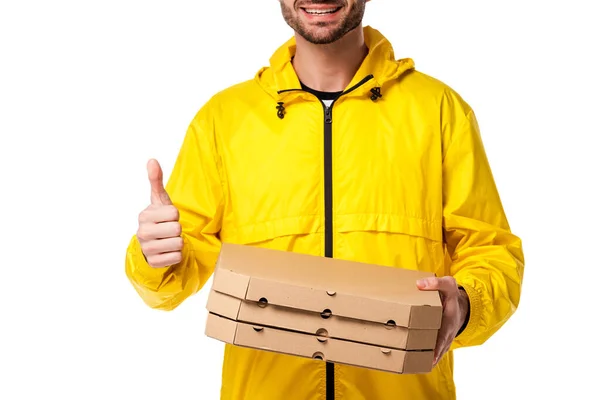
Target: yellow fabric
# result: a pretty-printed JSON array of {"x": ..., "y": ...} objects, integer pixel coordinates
[{"x": 412, "y": 188}]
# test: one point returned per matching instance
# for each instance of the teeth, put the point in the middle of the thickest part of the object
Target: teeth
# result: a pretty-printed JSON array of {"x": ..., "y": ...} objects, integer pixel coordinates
[{"x": 320, "y": 11}]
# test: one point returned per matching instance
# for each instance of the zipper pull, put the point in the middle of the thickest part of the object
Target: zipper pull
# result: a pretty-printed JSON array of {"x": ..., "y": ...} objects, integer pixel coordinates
[{"x": 327, "y": 115}]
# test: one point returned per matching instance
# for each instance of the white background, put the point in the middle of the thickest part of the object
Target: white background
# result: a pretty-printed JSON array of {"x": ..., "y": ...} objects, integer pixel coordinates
[{"x": 89, "y": 90}]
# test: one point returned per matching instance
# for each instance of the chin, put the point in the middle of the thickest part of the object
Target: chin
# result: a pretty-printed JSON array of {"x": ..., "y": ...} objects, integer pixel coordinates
[{"x": 322, "y": 35}]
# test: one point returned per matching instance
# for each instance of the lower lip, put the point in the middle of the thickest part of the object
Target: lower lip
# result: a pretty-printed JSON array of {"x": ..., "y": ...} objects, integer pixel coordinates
[{"x": 321, "y": 17}]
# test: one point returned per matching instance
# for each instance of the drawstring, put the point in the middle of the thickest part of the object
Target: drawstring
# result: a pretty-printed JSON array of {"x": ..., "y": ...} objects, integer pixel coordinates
[
  {"x": 375, "y": 95},
  {"x": 280, "y": 109}
]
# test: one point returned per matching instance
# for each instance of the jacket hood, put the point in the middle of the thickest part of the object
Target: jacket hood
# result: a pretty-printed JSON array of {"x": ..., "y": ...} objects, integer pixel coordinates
[{"x": 379, "y": 64}]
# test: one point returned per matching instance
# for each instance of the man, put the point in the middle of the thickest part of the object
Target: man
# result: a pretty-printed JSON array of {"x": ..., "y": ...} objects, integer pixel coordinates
[{"x": 339, "y": 150}]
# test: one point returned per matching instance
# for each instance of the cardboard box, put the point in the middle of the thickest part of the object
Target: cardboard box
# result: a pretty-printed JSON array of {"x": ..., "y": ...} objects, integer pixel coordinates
[
  {"x": 387, "y": 335},
  {"x": 304, "y": 345},
  {"x": 305, "y": 300}
]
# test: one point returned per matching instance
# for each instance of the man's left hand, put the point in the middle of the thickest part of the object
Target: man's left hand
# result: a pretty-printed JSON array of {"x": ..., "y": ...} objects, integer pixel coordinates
[{"x": 455, "y": 304}]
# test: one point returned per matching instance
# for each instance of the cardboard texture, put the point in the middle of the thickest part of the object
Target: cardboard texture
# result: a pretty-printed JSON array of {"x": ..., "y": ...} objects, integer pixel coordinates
[
  {"x": 344, "y": 288},
  {"x": 327, "y": 349},
  {"x": 387, "y": 335},
  {"x": 343, "y": 311}
]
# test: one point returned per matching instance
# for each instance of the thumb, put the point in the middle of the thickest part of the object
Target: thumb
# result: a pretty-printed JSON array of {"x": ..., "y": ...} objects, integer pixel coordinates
[
  {"x": 428, "y": 284},
  {"x": 159, "y": 195}
]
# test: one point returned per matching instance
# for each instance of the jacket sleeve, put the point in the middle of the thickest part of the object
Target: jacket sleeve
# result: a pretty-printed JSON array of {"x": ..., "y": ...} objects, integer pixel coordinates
[
  {"x": 195, "y": 188},
  {"x": 486, "y": 259}
]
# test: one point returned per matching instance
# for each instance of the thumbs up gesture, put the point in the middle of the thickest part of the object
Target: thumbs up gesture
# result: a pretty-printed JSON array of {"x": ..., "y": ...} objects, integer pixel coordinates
[{"x": 159, "y": 231}]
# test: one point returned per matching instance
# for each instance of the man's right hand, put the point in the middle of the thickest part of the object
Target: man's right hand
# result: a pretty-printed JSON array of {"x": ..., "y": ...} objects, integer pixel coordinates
[{"x": 159, "y": 231}]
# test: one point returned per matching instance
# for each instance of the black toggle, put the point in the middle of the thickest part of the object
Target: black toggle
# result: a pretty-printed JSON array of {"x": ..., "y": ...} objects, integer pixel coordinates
[
  {"x": 376, "y": 93},
  {"x": 280, "y": 110}
]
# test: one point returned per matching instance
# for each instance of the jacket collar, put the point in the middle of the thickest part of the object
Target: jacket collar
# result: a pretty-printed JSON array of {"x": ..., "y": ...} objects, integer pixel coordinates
[{"x": 379, "y": 62}]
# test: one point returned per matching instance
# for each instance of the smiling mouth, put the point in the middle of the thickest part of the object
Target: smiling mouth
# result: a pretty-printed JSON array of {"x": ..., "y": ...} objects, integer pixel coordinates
[{"x": 321, "y": 11}]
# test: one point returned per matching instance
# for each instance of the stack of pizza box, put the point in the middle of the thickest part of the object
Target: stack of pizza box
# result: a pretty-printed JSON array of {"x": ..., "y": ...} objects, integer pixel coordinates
[{"x": 334, "y": 310}]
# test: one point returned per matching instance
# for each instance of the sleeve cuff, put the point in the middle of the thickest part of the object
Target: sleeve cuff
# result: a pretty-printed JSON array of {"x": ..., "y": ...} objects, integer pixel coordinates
[
  {"x": 468, "y": 316},
  {"x": 474, "y": 316},
  {"x": 142, "y": 272}
]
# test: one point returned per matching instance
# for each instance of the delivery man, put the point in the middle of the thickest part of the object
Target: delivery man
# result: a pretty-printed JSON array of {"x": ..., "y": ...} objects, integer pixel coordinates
[{"x": 335, "y": 149}]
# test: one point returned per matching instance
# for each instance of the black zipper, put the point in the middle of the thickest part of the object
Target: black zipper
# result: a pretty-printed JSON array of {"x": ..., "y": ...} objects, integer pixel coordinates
[{"x": 328, "y": 171}]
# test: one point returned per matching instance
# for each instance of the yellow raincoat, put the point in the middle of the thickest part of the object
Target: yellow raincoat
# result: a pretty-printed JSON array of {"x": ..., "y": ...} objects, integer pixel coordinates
[{"x": 394, "y": 173}]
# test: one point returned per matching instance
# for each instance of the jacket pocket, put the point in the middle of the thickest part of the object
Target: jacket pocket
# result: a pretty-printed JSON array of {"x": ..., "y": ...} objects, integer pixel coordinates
[
  {"x": 390, "y": 223},
  {"x": 301, "y": 233},
  {"x": 392, "y": 240}
]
